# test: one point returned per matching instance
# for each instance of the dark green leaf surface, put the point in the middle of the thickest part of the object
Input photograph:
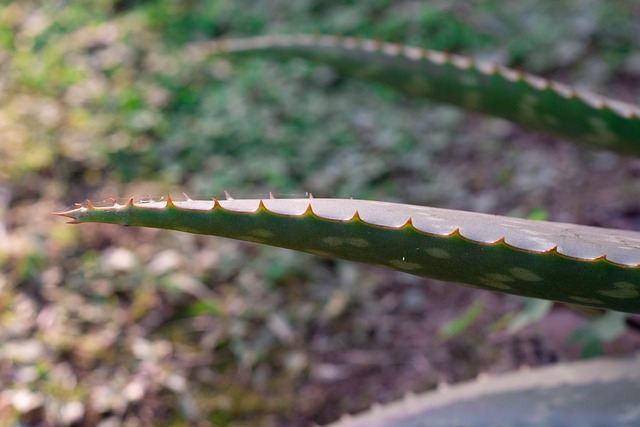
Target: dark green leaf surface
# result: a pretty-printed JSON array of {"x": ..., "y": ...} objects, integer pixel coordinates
[
  {"x": 491, "y": 89},
  {"x": 562, "y": 262}
]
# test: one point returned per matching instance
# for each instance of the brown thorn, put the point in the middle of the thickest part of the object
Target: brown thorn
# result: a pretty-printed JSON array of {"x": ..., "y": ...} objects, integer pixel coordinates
[
  {"x": 90, "y": 205},
  {"x": 62, "y": 214},
  {"x": 170, "y": 203},
  {"x": 66, "y": 215},
  {"x": 309, "y": 210}
]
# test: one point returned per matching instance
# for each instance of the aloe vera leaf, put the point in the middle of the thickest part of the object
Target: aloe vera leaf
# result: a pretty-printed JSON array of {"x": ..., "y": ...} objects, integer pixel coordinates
[
  {"x": 596, "y": 393},
  {"x": 491, "y": 89},
  {"x": 562, "y": 262}
]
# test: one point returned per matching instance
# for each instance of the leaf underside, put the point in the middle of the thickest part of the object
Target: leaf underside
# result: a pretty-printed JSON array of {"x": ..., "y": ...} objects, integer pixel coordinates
[
  {"x": 563, "y": 262},
  {"x": 595, "y": 393},
  {"x": 491, "y": 89}
]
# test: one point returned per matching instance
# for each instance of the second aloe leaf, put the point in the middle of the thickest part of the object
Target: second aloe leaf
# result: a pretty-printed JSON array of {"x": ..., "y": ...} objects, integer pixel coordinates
[{"x": 491, "y": 89}]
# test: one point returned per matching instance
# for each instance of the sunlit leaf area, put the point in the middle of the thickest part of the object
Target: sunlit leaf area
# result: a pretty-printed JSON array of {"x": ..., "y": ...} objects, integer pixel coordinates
[{"x": 106, "y": 325}]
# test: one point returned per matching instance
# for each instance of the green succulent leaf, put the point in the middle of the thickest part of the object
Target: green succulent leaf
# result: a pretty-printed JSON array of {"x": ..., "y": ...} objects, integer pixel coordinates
[
  {"x": 491, "y": 89},
  {"x": 563, "y": 262},
  {"x": 593, "y": 393}
]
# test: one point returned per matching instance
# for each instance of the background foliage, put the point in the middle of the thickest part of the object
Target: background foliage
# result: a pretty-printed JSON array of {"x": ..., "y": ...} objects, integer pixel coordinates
[{"x": 106, "y": 99}]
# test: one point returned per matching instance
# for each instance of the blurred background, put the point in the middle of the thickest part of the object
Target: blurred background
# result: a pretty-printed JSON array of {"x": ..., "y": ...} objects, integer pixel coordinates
[{"x": 103, "y": 325}]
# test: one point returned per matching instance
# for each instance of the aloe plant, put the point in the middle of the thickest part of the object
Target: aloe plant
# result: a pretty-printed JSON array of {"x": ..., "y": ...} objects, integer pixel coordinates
[
  {"x": 563, "y": 262},
  {"x": 575, "y": 264}
]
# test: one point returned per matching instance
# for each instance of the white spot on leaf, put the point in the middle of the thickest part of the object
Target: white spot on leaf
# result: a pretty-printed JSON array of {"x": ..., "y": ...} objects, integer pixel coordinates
[
  {"x": 527, "y": 109},
  {"x": 350, "y": 241},
  {"x": 623, "y": 290},
  {"x": 524, "y": 274},
  {"x": 333, "y": 241},
  {"x": 357, "y": 242},
  {"x": 497, "y": 280},
  {"x": 438, "y": 253},
  {"x": 261, "y": 232},
  {"x": 602, "y": 135}
]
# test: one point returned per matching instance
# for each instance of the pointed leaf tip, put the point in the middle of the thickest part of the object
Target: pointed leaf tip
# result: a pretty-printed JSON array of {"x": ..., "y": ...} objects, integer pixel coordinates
[
  {"x": 65, "y": 214},
  {"x": 69, "y": 214}
]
